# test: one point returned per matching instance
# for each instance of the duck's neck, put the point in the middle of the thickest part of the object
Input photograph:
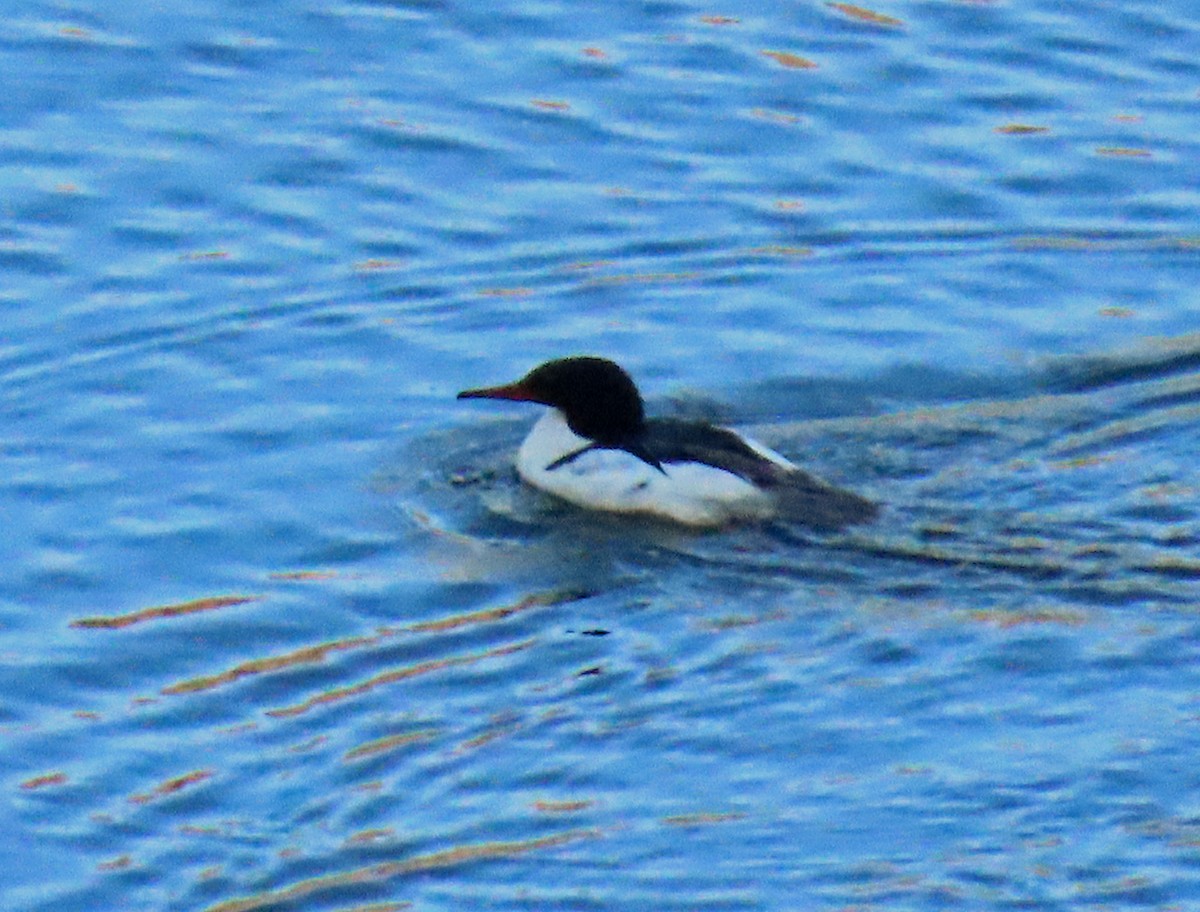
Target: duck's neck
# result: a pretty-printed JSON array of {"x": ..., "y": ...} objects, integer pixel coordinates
[{"x": 550, "y": 440}]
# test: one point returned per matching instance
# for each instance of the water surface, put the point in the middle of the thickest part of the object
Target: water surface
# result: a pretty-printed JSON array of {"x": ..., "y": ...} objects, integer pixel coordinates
[{"x": 280, "y": 628}]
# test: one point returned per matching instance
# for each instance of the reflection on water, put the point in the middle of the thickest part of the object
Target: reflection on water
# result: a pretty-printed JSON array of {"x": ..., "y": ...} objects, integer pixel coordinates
[{"x": 380, "y": 873}]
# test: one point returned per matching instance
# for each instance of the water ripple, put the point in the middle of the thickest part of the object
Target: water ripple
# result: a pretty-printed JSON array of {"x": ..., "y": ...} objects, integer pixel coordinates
[{"x": 281, "y": 626}]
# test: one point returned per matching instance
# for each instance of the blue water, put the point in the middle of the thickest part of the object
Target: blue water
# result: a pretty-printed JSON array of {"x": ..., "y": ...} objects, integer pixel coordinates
[{"x": 279, "y": 629}]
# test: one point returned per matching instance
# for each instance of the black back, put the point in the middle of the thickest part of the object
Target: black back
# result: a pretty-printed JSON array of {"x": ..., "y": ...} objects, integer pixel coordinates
[{"x": 673, "y": 440}]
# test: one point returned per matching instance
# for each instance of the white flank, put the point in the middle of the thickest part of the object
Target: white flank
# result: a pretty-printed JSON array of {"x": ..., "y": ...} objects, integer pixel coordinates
[{"x": 619, "y": 482}]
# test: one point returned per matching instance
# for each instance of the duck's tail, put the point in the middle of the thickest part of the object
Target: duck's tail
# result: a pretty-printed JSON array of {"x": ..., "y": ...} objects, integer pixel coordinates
[{"x": 803, "y": 499}]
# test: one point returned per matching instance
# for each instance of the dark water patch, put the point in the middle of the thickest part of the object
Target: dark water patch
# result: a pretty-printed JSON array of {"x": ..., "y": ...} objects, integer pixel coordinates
[
  {"x": 1173, "y": 568},
  {"x": 232, "y": 53},
  {"x": 1165, "y": 358},
  {"x": 399, "y": 136},
  {"x": 304, "y": 172},
  {"x": 31, "y": 258}
]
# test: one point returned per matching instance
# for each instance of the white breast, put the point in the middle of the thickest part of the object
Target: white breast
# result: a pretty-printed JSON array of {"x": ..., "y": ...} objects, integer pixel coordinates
[{"x": 613, "y": 480}]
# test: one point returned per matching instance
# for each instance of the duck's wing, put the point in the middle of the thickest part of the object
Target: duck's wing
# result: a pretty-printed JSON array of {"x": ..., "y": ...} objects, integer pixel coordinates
[
  {"x": 800, "y": 497},
  {"x": 670, "y": 440}
]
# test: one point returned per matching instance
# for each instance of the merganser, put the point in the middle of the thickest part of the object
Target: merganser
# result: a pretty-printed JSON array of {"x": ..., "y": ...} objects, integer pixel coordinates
[{"x": 595, "y": 448}]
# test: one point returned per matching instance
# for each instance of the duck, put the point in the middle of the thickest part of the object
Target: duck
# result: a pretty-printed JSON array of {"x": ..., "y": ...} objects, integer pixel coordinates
[{"x": 595, "y": 448}]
